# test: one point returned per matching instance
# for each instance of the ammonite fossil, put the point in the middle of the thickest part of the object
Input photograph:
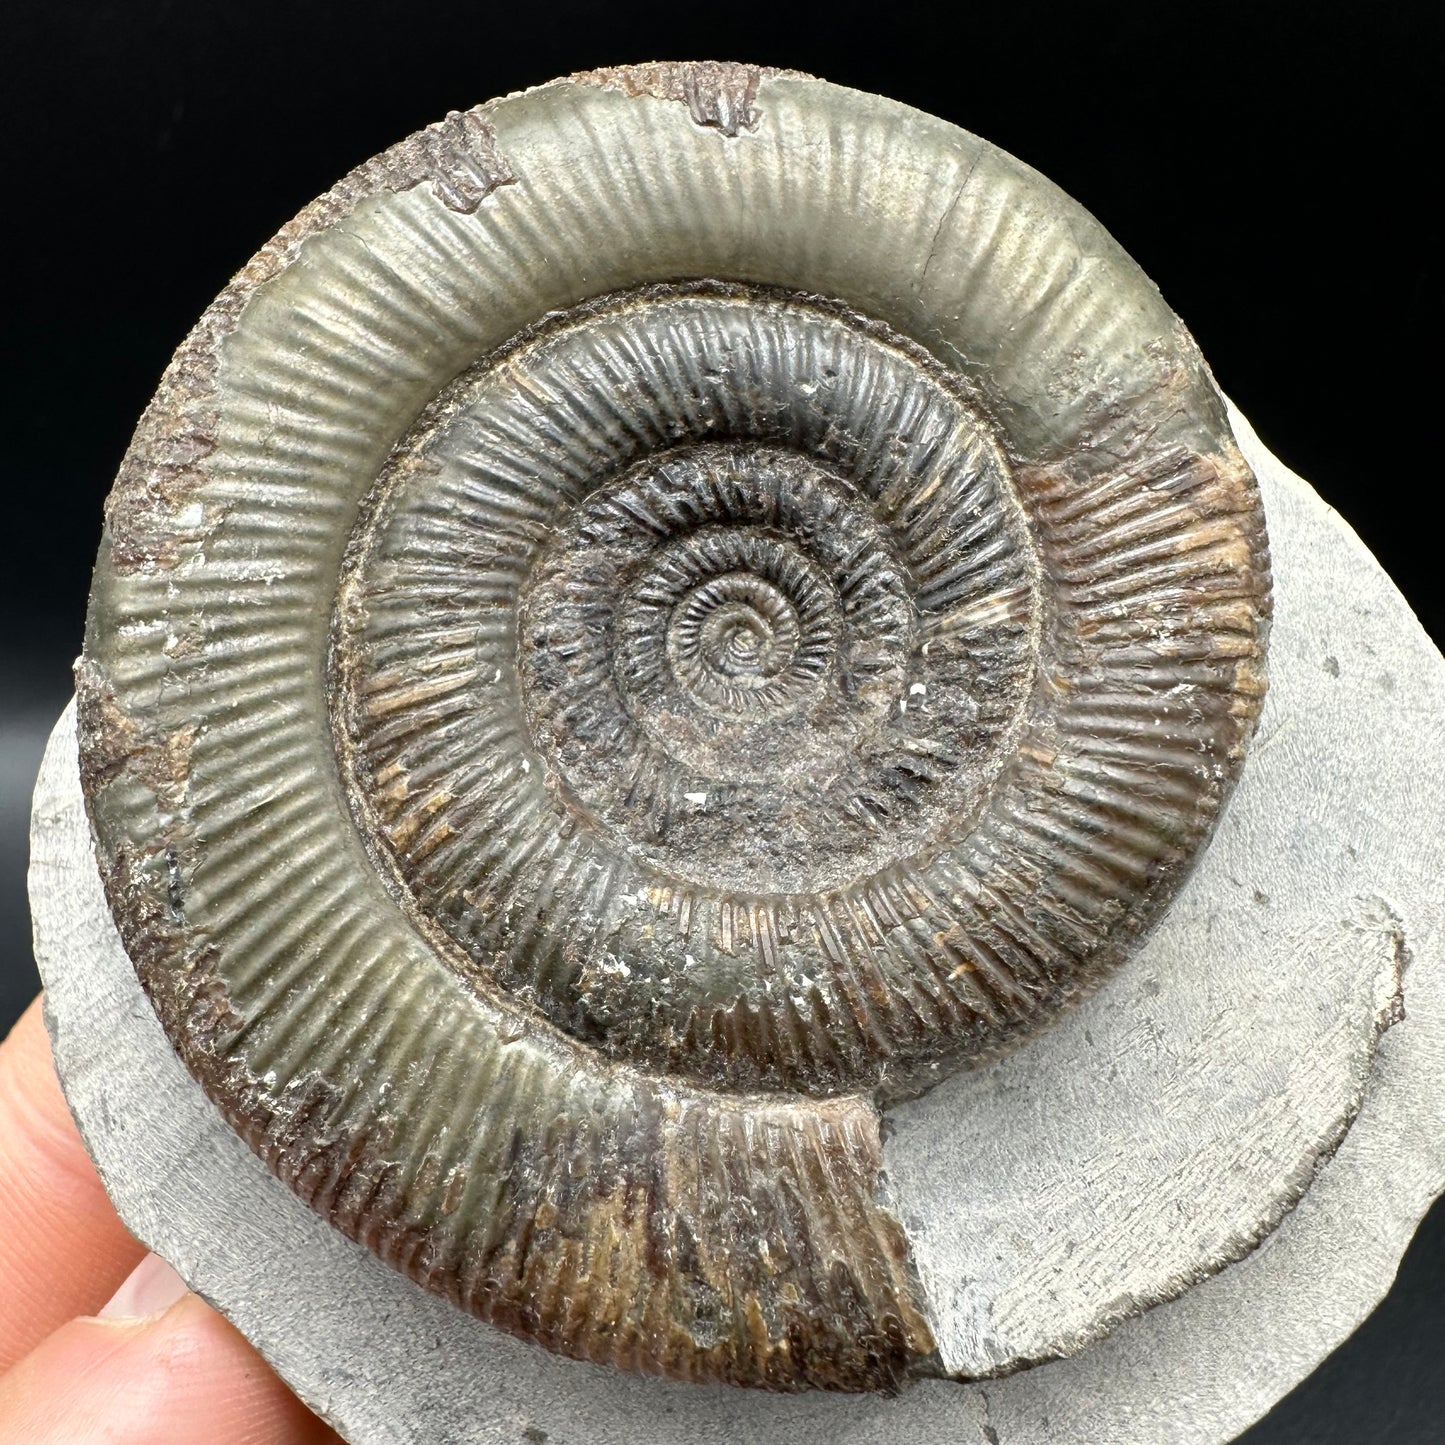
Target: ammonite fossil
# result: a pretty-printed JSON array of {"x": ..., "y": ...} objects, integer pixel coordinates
[{"x": 661, "y": 616}]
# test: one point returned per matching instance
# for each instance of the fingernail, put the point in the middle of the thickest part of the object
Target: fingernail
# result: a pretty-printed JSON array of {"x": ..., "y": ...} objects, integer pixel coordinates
[{"x": 151, "y": 1287}]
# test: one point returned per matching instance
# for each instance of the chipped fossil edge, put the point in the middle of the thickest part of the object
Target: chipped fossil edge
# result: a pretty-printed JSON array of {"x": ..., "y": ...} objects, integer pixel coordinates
[{"x": 721, "y": 94}]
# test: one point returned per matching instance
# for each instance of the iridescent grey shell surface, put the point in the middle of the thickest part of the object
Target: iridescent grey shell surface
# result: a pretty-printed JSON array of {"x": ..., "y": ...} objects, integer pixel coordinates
[{"x": 663, "y": 614}]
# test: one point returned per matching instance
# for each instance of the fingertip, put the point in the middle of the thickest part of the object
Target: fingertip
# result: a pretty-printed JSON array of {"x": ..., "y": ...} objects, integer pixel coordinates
[
  {"x": 151, "y": 1288},
  {"x": 63, "y": 1251},
  {"x": 29, "y": 1070},
  {"x": 182, "y": 1375},
  {"x": 210, "y": 1378}
]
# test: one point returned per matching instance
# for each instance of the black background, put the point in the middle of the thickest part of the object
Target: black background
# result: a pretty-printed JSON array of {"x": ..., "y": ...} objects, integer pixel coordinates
[{"x": 1271, "y": 165}]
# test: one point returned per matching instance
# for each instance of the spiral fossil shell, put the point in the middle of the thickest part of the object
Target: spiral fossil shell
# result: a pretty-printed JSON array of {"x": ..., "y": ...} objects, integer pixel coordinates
[{"x": 662, "y": 615}]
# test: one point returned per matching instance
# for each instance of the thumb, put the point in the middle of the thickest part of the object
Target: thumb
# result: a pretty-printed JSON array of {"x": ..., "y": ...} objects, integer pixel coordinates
[{"x": 157, "y": 1367}]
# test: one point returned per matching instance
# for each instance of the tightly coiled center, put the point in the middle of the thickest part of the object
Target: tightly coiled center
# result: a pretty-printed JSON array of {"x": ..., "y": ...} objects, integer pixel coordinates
[
  {"x": 730, "y": 639},
  {"x": 692, "y": 618}
]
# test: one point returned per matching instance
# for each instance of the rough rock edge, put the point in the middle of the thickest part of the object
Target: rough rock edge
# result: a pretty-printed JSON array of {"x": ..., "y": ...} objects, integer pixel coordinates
[{"x": 1388, "y": 997}]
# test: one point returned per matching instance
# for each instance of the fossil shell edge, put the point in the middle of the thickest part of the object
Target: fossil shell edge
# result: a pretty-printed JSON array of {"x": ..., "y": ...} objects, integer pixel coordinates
[{"x": 501, "y": 1023}]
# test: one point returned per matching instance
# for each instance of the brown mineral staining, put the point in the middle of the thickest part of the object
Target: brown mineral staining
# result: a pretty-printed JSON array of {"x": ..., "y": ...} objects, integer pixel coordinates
[
  {"x": 145, "y": 508},
  {"x": 725, "y": 720},
  {"x": 643, "y": 1266},
  {"x": 115, "y": 744},
  {"x": 153, "y": 510},
  {"x": 148, "y": 512}
]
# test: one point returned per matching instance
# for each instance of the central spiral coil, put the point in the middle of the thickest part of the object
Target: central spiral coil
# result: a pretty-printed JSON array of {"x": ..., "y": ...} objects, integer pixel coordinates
[
  {"x": 759, "y": 625},
  {"x": 733, "y": 637}
]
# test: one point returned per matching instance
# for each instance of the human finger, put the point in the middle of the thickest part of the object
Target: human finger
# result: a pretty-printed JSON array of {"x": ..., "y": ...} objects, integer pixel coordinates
[
  {"x": 63, "y": 1251},
  {"x": 172, "y": 1376}
]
